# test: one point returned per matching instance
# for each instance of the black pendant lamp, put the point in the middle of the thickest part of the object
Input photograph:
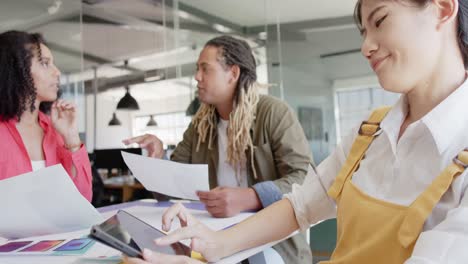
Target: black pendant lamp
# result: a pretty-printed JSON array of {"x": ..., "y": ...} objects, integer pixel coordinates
[
  {"x": 193, "y": 106},
  {"x": 114, "y": 121},
  {"x": 152, "y": 122},
  {"x": 128, "y": 102}
]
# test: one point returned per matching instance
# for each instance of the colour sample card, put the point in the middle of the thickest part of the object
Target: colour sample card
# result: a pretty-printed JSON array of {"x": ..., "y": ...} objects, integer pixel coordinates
[
  {"x": 75, "y": 244},
  {"x": 42, "y": 246},
  {"x": 12, "y": 246}
]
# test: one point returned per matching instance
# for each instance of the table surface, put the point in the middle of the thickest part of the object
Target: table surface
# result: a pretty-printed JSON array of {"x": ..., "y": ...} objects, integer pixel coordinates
[{"x": 149, "y": 211}]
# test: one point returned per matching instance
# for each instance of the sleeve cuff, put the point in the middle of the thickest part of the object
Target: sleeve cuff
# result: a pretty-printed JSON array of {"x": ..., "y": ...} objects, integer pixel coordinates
[
  {"x": 268, "y": 193},
  {"x": 79, "y": 155}
]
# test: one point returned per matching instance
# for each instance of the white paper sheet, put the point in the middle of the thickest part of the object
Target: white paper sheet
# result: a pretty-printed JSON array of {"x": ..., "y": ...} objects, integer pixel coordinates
[
  {"x": 153, "y": 216},
  {"x": 43, "y": 202},
  {"x": 169, "y": 177}
]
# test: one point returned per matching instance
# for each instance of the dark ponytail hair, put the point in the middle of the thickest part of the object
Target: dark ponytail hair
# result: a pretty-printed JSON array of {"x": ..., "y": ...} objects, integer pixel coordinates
[
  {"x": 17, "y": 91},
  {"x": 462, "y": 30},
  {"x": 462, "y": 27},
  {"x": 233, "y": 51}
]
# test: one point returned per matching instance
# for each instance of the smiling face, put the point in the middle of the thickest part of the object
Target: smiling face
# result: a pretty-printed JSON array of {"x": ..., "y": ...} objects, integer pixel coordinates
[
  {"x": 45, "y": 75},
  {"x": 401, "y": 42}
]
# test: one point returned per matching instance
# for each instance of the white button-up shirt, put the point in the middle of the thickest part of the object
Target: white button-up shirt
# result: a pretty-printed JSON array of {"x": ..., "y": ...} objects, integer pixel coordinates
[{"x": 398, "y": 171}]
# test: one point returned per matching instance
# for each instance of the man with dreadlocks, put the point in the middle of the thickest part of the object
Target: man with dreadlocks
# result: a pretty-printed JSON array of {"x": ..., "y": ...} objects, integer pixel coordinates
[{"x": 253, "y": 144}]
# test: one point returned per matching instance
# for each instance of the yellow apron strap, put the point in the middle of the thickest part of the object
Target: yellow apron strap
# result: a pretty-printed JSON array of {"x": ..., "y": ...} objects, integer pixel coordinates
[
  {"x": 193, "y": 254},
  {"x": 198, "y": 256},
  {"x": 422, "y": 207},
  {"x": 360, "y": 145}
]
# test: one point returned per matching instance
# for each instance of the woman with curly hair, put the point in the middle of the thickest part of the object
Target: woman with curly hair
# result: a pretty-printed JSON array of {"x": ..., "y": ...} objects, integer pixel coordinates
[{"x": 36, "y": 128}]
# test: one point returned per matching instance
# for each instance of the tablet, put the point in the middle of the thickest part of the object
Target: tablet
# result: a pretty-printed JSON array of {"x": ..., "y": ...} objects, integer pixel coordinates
[{"x": 130, "y": 235}]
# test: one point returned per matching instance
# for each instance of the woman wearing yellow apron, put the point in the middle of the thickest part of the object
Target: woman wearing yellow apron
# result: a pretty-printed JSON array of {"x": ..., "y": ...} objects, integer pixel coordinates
[{"x": 397, "y": 184}]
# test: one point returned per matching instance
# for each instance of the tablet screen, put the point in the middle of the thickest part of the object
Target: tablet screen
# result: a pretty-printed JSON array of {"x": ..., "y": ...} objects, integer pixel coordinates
[{"x": 138, "y": 234}]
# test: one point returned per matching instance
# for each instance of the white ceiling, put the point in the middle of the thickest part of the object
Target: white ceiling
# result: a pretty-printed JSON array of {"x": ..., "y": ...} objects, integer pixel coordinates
[
  {"x": 241, "y": 12},
  {"x": 156, "y": 90},
  {"x": 259, "y": 12},
  {"x": 140, "y": 34},
  {"x": 131, "y": 30}
]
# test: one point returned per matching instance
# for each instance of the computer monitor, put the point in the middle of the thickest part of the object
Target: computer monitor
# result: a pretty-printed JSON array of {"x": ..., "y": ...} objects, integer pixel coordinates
[{"x": 112, "y": 158}]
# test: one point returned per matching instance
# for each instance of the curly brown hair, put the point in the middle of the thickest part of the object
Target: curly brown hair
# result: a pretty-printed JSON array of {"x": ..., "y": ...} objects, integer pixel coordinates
[{"x": 17, "y": 90}]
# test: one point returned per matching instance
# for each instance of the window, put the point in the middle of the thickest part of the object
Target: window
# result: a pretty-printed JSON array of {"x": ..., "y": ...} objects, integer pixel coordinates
[
  {"x": 352, "y": 106},
  {"x": 170, "y": 126}
]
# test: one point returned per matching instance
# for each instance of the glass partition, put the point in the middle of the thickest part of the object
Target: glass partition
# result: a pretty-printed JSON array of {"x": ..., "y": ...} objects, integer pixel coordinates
[
  {"x": 304, "y": 51},
  {"x": 151, "y": 47}
]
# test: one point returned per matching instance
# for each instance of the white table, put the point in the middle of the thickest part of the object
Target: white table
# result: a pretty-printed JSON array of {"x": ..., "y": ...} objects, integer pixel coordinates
[{"x": 151, "y": 212}]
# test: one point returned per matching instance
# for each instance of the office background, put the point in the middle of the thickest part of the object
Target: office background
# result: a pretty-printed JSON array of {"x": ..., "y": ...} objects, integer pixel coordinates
[{"x": 307, "y": 50}]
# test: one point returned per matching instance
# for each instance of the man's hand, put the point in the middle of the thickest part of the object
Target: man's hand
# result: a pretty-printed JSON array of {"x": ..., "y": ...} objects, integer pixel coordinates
[
  {"x": 151, "y": 143},
  {"x": 227, "y": 201}
]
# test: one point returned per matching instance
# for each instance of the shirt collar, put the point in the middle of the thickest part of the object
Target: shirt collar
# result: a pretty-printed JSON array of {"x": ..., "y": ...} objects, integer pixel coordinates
[
  {"x": 444, "y": 122},
  {"x": 392, "y": 122},
  {"x": 44, "y": 120},
  {"x": 449, "y": 118}
]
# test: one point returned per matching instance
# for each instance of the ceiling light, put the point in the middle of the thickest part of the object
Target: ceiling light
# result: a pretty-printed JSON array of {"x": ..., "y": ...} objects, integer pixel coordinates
[
  {"x": 128, "y": 102},
  {"x": 222, "y": 28},
  {"x": 54, "y": 7},
  {"x": 153, "y": 78},
  {"x": 152, "y": 122},
  {"x": 193, "y": 107},
  {"x": 114, "y": 121},
  {"x": 184, "y": 14}
]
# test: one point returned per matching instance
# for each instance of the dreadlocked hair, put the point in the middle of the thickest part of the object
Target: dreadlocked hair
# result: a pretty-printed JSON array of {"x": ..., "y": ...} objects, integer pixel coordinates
[
  {"x": 17, "y": 90},
  {"x": 233, "y": 51}
]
